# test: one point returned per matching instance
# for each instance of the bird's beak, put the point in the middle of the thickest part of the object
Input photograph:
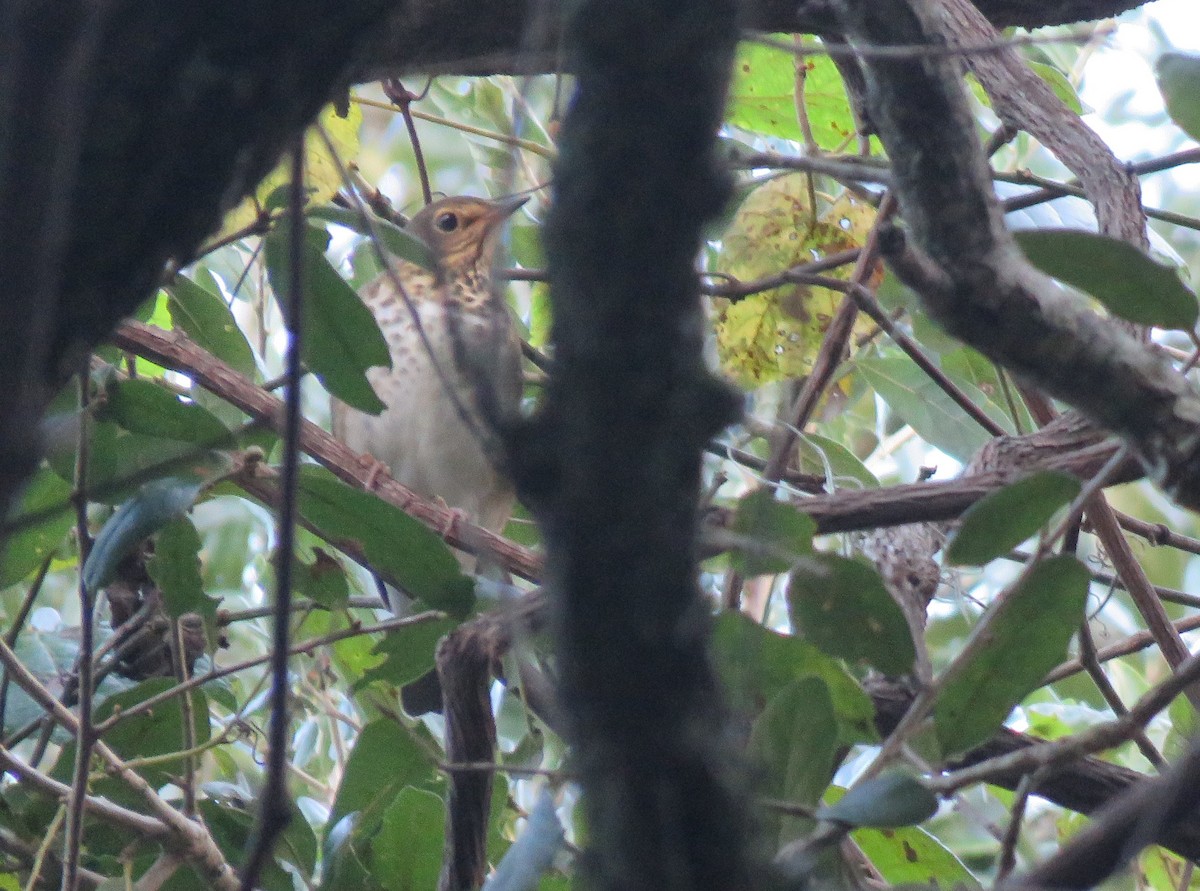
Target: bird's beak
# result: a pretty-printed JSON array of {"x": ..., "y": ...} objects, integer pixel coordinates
[{"x": 503, "y": 208}]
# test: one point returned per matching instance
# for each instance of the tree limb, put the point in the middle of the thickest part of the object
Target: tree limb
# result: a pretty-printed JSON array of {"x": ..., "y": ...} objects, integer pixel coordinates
[
  {"x": 172, "y": 349},
  {"x": 974, "y": 280},
  {"x": 485, "y": 37},
  {"x": 611, "y": 464}
]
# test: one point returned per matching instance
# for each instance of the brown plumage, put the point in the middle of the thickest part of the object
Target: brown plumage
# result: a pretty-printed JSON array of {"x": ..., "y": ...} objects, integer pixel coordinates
[{"x": 421, "y": 435}]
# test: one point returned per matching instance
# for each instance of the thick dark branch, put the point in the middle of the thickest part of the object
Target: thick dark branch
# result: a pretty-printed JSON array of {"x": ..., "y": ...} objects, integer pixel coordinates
[
  {"x": 1085, "y": 786},
  {"x": 126, "y": 129},
  {"x": 1156, "y": 811},
  {"x": 486, "y": 37},
  {"x": 464, "y": 667},
  {"x": 611, "y": 466},
  {"x": 975, "y": 281}
]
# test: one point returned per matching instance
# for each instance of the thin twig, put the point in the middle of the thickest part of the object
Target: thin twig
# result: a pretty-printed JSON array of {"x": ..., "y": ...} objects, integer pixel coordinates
[
  {"x": 403, "y": 99},
  {"x": 832, "y": 348},
  {"x": 18, "y": 623},
  {"x": 85, "y": 735},
  {"x": 1012, "y": 832},
  {"x": 1142, "y": 640},
  {"x": 1088, "y": 658},
  {"x": 189, "y": 838},
  {"x": 356, "y": 629},
  {"x": 143, "y": 826},
  {"x": 25, "y": 853},
  {"x": 120, "y": 642},
  {"x": 1139, "y": 587},
  {"x": 868, "y": 304},
  {"x": 846, "y": 167},
  {"x": 1094, "y": 739},
  {"x": 1158, "y": 534},
  {"x": 732, "y": 289},
  {"x": 187, "y": 717},
  {"x": 547, "y": 153},
  {"x": 43, "y": 851},
  {"x": 274, "y": 812}
]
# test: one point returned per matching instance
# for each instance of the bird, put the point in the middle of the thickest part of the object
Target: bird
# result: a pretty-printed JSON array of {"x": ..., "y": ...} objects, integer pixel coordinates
[{"x": 456, "y": 365}]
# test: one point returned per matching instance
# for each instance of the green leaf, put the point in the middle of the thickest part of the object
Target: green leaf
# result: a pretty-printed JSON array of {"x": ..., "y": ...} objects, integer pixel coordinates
[
  {"x": 825, "y": 457},
  {"x": 385, "y": 760},
  {"x": 937, "y": 418},
  {"x": 149, "y": 408},
  {"x": 342, "y": 866},
  {"x": 44, "y": 516},
  {"x": 120, "y": 461},
  {"x": 1000, "y": 521},
  {"x": 1130, "y": 283},
  {"x": 781, "y": 532},
  {"x": 762, "y": 95},
  {"x": 152, "y": 733},
  {"x": 757, "y": 663},
  {"x": 151, "y": 508},
  {"x": 777, "y": 334},
  {"x": 500, "y": 818},
  {"x": 1027, "y": 633},
  {"x": 841, "y": 605},
  {"x": 1058, "y": 82},
  {"x": 175, "y": 568},
  {"x": 396, "y": 241},
  {"x": 407, "y": 851},
  {"x": 322, "y": 581},
  {"x": 403, "y": 550},
  {"x": 913, "y": 858},
  {"x": 341, "y": 338},
  {"x": 963, "y": 365},
  {"x": 1179, "y": 79},
  {"x": 793, "y": 742},
  {"x": 205, "y": 317},
  {"x": 887, "y": 801},
  {"x": 231, "y": 824},
  {"x": 50, "y": 656},
  {"x": 335, "y": 135},
  {"x": 409, "y": 651}
]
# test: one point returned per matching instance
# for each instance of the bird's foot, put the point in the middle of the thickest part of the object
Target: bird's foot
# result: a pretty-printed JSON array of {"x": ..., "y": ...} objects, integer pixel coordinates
[
  {"x": 374, "y": 468},
  {"x": 451, "y": 526}
]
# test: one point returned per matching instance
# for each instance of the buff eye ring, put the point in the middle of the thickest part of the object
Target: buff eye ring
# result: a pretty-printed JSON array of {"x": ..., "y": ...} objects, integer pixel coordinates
[{"x": 447, "y": 222}]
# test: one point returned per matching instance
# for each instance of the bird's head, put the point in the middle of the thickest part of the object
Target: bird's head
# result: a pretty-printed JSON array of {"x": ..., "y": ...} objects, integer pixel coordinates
[{"x": 461, "y": 232}]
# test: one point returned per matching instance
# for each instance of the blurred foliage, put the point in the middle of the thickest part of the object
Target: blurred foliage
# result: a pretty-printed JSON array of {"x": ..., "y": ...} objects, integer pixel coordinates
[{"x": 370, "y": 798}]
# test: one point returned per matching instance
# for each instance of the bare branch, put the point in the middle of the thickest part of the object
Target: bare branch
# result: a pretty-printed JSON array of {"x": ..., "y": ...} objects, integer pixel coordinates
[
  {"x": 975, "y": 281},
  {"x": 190, "y": 839}
]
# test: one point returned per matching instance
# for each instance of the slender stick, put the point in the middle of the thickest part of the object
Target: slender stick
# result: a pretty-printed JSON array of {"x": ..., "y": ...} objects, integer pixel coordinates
[
  {"x": 274, "y": 812},
  {"x": 85, "y": 733}
]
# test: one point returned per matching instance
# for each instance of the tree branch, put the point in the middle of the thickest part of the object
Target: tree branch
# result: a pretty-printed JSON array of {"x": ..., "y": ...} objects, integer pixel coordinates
[
  {"x": 485, "y": 37},
  {"x": 611, "y": 465},
  {"x": 974, "y": 280},
  {"x": 128, "y": 129},
  {"x": 188, "y": 838},
  {"x": 172, "y": 349}
]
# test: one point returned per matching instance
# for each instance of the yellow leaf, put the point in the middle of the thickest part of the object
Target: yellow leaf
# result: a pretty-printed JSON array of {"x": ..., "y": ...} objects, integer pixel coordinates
[
  {"x": 322, "y": 177},
  {"x": 776, "y": 334}
]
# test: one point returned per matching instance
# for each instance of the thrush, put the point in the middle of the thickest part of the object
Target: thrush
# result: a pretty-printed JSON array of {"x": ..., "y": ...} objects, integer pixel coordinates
[{"x": 455, "y": 364}]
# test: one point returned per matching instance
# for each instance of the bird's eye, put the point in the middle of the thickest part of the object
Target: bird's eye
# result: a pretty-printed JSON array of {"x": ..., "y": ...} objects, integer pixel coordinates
[{"x": 447, "y": 222}]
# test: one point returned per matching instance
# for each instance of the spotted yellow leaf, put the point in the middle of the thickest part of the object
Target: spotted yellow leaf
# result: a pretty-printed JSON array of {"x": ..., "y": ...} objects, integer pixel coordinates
[{"x": 776, "y": 334}]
